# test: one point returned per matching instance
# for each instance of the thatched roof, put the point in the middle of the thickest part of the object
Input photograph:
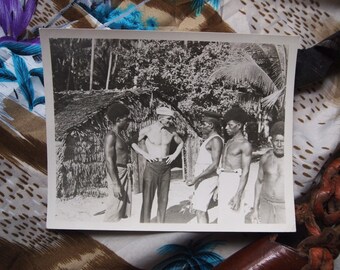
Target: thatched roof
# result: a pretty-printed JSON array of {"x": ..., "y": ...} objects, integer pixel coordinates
[{"x": 75, "y": 108}]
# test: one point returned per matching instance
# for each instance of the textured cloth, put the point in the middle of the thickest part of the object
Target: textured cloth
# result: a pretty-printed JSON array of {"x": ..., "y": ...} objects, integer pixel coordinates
[
  {"x": 25, "y": 242},
  {"x": 156, "y": 177},
  {"x": 228, "y": 183},
  {"x": 203, "y": 193},
  {"x": 117, "y": 209},
  {"x": 271, "y": 212}
]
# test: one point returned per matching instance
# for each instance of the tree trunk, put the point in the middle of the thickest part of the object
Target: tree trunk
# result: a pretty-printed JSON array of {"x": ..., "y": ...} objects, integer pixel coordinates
[
  {"x": 92, "y": 63},
  {"x": 108, "y": 72}
]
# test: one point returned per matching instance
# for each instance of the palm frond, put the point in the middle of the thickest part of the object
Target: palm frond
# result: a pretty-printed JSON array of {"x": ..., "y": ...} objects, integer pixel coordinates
[
  {"x": 6, "y": 75},
  {"x": 270, "y": 100},
  {"x": 204, "y": 265},
  {"x": 39, "y": 73},
  {"x": 246, "y": 69},
  {"x": 23, "y": 79},
  {"x": 209, "y": 246},
  {"x": 173, "y": 248},
  {"x": 210, "y": 257},
  {"x": 178, "y": 260}
]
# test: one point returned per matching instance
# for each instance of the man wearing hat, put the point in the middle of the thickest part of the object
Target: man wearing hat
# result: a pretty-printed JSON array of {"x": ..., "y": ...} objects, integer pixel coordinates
[
  {"x": 157, "y": 138},
  {"x": 236, "y": 159},
  {"x": 208, "y": 160},
  {"x": 269, "y": 201}
]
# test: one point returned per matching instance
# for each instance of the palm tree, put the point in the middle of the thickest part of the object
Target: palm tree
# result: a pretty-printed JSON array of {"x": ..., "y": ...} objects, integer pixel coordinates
[
  {"x": 243, "y": 66},
  {"x": 195, "y": 256}
]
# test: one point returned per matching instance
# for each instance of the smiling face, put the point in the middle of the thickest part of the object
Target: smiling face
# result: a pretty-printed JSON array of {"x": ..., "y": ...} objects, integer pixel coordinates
[
  {"x": 233, "y": 127},
  {"x": 166, "y": 120},
  {"x": 278, "y": 145}
]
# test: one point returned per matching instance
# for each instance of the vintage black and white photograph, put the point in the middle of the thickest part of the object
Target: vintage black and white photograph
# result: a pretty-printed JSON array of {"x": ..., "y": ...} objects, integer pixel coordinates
[{"x": 169, "y": 131}]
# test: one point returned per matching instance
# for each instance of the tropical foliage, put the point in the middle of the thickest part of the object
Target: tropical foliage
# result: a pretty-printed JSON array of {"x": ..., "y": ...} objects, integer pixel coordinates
[
  {"x": 191, "y": 76},
  {"x": 195, "y": 256}
]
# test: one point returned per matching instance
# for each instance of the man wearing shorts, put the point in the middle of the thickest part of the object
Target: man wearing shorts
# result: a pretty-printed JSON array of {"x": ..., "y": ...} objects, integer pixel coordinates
[
  {"x": 206, "y": 178},
  {"x": 236, "y": 161}
]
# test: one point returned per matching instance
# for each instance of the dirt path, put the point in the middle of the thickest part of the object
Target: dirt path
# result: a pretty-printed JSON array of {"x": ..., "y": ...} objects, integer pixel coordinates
[{"x": 92, "y": 209}]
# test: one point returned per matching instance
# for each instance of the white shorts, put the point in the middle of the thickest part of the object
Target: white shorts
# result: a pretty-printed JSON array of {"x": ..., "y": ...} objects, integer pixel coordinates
[
  {"x": 228, "y": 183},
  {"x": 203, "y": 194}
]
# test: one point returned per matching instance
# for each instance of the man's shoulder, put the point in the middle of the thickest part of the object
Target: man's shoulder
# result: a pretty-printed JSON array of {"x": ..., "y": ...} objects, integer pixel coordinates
[
  {"x": 147, "y": 129},
  {"x": 246, "y": 145},
  {"x": 266, "y": 155},
  {"x": 110, "y": 137},
  {"x": 216, "y": 139}
]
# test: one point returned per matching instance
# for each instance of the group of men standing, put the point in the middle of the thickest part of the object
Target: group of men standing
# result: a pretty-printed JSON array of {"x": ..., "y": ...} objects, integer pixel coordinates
[{"x": 221, "y": 169}]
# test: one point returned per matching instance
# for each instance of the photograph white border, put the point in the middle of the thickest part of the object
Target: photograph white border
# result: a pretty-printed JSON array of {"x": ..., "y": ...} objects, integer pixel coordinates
[{"x": 292, "y": 44}]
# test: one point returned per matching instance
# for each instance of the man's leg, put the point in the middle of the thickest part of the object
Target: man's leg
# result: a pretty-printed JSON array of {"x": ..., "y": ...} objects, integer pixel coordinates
[
  {"x": 163, "y": 193},
  {"x": 149, "y": 189},
  {"x": 202, "y": 217}
]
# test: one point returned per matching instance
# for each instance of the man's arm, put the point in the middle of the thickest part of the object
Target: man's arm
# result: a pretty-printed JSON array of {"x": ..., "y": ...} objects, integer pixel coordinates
[
  {"x": 141, "y": 138},
  {"x": 178, "y": 150},
  {"x": 258, "y": 187},
  {"x": 216, "y": 151},
  {"x": 246, "y": 160},
  {"x": 110, "y": 162}
]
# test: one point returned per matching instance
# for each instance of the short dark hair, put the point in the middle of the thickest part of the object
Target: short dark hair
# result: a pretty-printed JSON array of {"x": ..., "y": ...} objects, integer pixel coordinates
[
  {"x": 237, "y": 114},
  {"x": 116, "y": 110},
  {"x": 213, "y": 118},
  {"x": 278, "y": 129}
]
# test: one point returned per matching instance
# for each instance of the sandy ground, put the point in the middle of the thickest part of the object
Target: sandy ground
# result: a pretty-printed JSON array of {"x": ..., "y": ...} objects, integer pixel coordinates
[{"x": 92, "y": 209}]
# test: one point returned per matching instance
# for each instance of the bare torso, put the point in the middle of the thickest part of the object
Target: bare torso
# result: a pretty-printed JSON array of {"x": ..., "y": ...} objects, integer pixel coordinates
[
  {"x": 158, "y": 141},
  {"x": 122, "y": 149},
  {"x": 273, "y": 178},
  {"x": 232, "y": 154}
]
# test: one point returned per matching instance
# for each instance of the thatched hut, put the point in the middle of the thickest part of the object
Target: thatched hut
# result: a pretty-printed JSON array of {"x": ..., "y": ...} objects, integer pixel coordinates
[{"x": 81, "y": 125}]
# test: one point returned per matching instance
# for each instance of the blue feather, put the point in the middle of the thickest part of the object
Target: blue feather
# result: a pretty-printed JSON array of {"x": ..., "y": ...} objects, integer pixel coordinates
[
  {"x": 23, "y": 79},
  {"x": 197, "y": 5},
  {"x": 151, "y": 24},
  {"x": 21, "y": 47},
  {"x": 39, "y": 100},
  {"x": 6, "y": 75},
  {"x": 214, "y": 3},
  {"x": 39, "y": 73}
]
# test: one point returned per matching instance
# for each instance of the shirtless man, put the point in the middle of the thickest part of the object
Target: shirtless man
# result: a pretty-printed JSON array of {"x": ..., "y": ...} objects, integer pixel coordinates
[
  {"x": 269, "y": 202},
  {"x": 116, "y": 159},
  {"x": 208, "y": 160},
  {"x": 236, "y": 159},
  {"x": 157, "y": 138}
]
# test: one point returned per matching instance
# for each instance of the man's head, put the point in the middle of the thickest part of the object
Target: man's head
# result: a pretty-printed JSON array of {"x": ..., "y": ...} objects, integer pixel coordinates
[
  {"x": 118, "y": 114},
  {"x": 165, "y": 116},
  {"x": 210, "y": 122},
  {"x": 277, "y": 134},
  {"x": 235, "y": 118}
]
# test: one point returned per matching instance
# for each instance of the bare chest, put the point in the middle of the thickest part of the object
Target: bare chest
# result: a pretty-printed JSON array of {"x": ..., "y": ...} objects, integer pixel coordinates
[
  {"x": 233, "y": 149},
  {"x": 159, "y": 136}
]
